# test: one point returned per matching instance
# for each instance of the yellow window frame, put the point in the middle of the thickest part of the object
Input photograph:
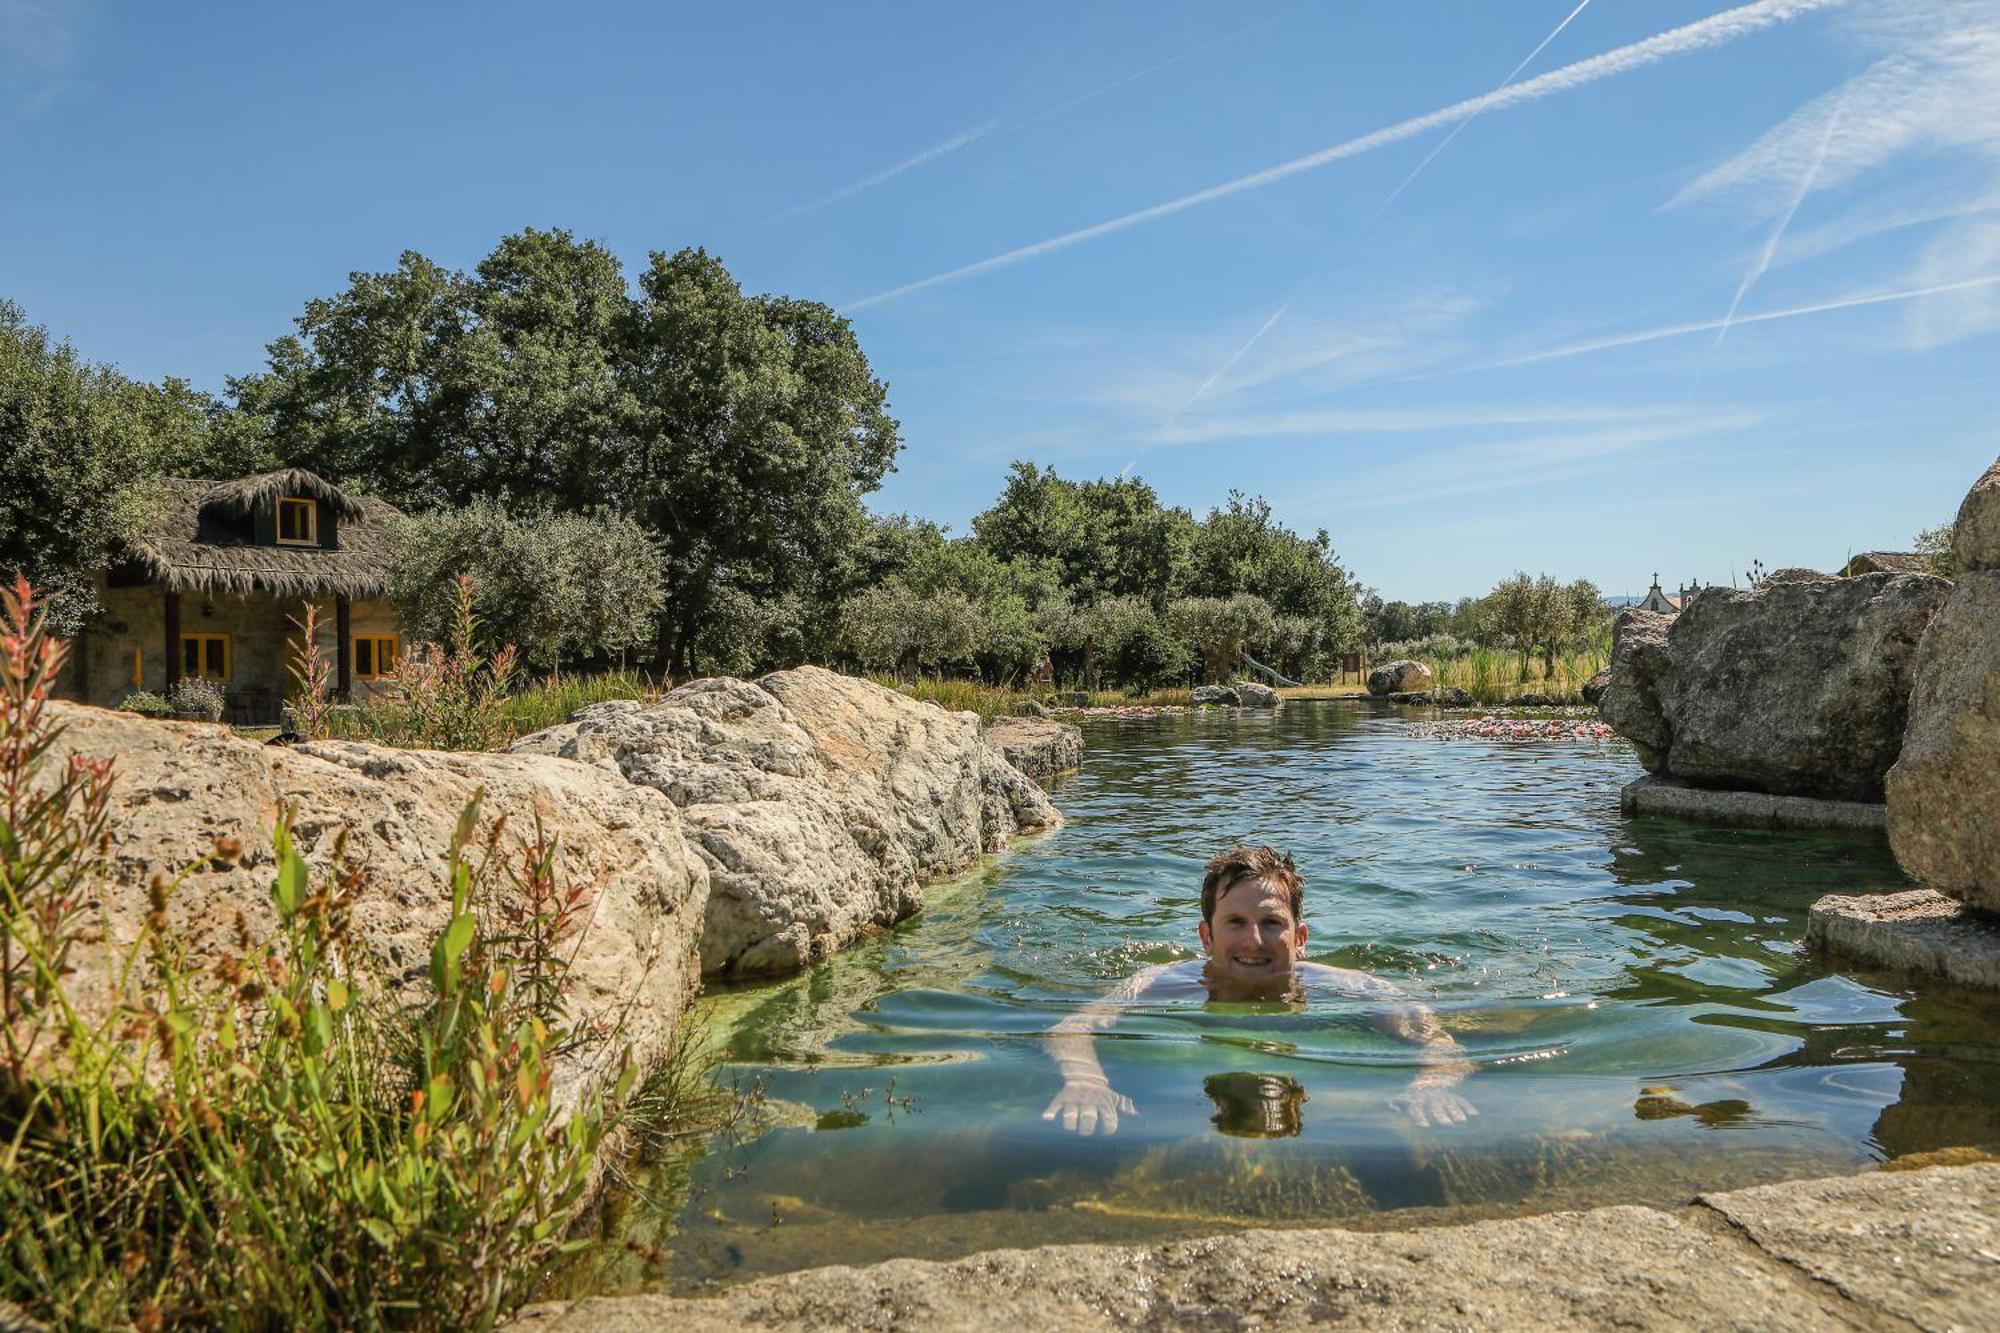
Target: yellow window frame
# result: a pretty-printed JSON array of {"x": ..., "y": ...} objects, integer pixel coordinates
[
  {"x": 202, "y": 669},
  {"x": 377, "y": 655},
  {"x": 310, "y": 508}
]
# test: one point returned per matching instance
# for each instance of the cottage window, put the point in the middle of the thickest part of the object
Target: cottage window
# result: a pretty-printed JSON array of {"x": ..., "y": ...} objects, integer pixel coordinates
[
  {"x": 298, "y": 522},
  {"x": 205, "y": 656},
  {"x": 374, "y": 655}
]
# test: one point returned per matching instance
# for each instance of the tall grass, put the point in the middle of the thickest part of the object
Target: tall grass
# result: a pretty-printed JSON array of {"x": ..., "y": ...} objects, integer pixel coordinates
[
  {"x": 277, "y": 1139},
  {"x": 991, "y": 701},
  {"x": 1493, "y": 675}
]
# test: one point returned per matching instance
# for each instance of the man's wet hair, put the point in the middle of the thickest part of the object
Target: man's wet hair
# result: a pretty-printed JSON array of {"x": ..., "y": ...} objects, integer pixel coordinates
[{"x": 1244, "y": 862}]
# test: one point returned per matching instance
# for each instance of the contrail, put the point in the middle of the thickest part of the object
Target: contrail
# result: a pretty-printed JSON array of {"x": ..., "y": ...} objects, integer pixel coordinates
[
  {"x": 951, "y": 145},
  {"x": 1708, "y": 326},
  {"x": 1003, "y": 127},
  {"x": 1151, "y": 70},
  {"x": 1777, "y": 233},
  {"x": 1374, "y": 217},
  {"x": 1701, "y": 35}
]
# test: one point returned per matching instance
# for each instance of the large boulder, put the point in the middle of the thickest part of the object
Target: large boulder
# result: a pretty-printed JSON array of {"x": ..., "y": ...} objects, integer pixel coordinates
[
  {"x": 1252, "y": 695},
  {"x": 1037, "y": 746},
  {"x": 1799, "y": 686},
  {"x": 1400, "y": 677},
  {"x": 1629, "y": 698},
  {"x": 1975, "y": 542},
  {"x": 820, "y": 803},
  {"x": 1215, "y": 694},
  {"x": 1944, "y": 792},
  {"x": 178, "y": 787}
]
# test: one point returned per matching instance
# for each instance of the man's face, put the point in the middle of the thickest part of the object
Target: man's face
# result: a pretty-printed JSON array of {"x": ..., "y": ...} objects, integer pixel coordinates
[{"x": 1252, "y": 937}]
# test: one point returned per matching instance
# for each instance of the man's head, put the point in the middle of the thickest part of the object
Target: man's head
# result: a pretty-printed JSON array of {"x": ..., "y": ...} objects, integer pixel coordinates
[{"x": 1252, "y": 905}]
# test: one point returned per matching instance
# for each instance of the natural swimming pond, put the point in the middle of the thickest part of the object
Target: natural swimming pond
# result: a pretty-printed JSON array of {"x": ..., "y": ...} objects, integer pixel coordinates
[{"x": 1631, "y": 992}]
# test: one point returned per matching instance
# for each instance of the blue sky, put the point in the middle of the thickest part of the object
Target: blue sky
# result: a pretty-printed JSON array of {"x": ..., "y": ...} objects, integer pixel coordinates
[{"x": 1701, "y": 284}]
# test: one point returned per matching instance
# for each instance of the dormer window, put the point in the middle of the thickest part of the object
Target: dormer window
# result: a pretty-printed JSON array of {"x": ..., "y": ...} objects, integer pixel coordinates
[{"x": 298, "y": 522}]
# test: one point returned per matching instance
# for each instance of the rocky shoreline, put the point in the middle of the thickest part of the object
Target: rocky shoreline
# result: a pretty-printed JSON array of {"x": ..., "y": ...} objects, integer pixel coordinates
[
  {"x": 733, "y": 829},
  {"x": 1885, "y": 1249}
]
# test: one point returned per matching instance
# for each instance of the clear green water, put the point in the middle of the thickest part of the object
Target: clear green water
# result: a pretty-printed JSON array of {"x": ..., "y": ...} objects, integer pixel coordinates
[{"x": 1632, "y": 992}]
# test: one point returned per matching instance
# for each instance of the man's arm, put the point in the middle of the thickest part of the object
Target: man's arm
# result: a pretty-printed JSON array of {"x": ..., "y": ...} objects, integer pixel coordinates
[
  {"x": 1430, "y": 1096},
  {"x": 1087, "y": 1100}
]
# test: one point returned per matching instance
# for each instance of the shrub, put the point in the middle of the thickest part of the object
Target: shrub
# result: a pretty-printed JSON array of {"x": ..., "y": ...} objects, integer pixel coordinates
[
  {"x": 446, "y": 697},
  {"x": 145, "y": 703},
  {"x": 277, "y": 1142},
  {"x": 193, "y": 697},
  {"x": 566, "y": 586}
]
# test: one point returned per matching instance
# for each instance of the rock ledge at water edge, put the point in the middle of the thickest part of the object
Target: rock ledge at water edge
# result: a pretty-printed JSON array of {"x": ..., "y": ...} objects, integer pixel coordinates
[
  {"x": 1881, "y": 1250},
  {"x": 1919, "y": 932},
  {"x": 1039, "y": 747},
  {"x": 820, "y": 804}
]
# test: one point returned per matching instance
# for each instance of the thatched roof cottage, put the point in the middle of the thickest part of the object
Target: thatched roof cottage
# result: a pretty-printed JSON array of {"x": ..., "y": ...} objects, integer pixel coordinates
[
  {"x": 1887, "y": 562},
  {"x": 212, "y": 585}
]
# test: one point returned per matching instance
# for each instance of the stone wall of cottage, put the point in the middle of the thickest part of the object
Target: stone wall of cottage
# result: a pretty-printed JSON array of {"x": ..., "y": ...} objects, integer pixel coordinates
[{"x": 125, "y": 647}]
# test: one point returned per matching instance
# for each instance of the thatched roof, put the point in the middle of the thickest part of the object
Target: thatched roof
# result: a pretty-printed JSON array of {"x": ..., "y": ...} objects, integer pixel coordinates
[
  {"x": 246, "y": 493},
  {"x": 1887, "y": 562},
  {"x": 177, "y": 549}
]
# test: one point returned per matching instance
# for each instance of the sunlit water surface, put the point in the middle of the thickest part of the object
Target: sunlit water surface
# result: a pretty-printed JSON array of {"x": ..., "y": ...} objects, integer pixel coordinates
[{"x": 1632, "y": 992}]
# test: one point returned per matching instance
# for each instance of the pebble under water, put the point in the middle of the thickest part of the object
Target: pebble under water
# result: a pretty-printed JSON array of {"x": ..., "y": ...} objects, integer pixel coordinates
[{"x": 1643, "y": 1021}]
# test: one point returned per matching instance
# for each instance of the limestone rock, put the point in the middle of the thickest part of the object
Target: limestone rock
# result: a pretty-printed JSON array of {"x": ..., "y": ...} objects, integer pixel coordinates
[
  {"x": 1896, "y": 1249},
  {"x": 1216, "y": 694},
  {"x": 1796, "y": 687},
  {"x": 1975, "y": 543},
  {"x": 1037, "y": 747},
  {"x": 1593, "y": 689},
  {"x": 178, "y": 787},
  {"x": 1252, "y": 695},
  {"x": 1944, "y": 792},
  {"x": 1919, "y": 933},
  {"x": 820, "y": 803},
  {"x": 1402, "y": 676},
  {"x": 1629, "y": 700},
  {"x": 1030, "y": 708}
]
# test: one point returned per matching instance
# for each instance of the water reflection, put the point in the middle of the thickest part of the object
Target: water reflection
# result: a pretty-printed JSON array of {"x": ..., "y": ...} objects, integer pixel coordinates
[{"x": 1256, "y": 1106}]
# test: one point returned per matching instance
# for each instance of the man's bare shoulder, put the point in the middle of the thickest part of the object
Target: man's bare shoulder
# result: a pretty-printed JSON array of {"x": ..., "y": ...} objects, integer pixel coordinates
[{"x": 1345, "y": 979}]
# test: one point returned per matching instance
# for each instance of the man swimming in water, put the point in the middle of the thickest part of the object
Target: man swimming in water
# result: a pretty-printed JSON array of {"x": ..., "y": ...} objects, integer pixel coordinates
[{"x": 1253, "y": 931}]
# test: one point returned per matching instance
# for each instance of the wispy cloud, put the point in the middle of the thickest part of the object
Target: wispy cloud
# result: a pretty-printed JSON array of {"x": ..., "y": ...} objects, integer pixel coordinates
[
  {"x": 1930, "y": 93},
  {"x": 1385, "y": 421},
  {"x": 1934, "y": 89},
  {"x": 1985, "y": 282},
  {"x": 1380, "y": 209},
  {"x": 910, "y": 163},
  {"x": 1487, "y": 466},
  {"x": 1698, "y": 36}
]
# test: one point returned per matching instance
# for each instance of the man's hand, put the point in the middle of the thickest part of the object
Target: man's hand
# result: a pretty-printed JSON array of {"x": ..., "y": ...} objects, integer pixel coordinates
[
  {"x": 1428, "y": 1104},
  {"x": 1085, "y": 1105}
]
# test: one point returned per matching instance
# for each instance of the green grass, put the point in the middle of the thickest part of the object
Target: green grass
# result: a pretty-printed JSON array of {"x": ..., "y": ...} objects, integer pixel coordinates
[
  {"x": 991, "y": 701},
  {"x": 1493, "y": 675}
]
